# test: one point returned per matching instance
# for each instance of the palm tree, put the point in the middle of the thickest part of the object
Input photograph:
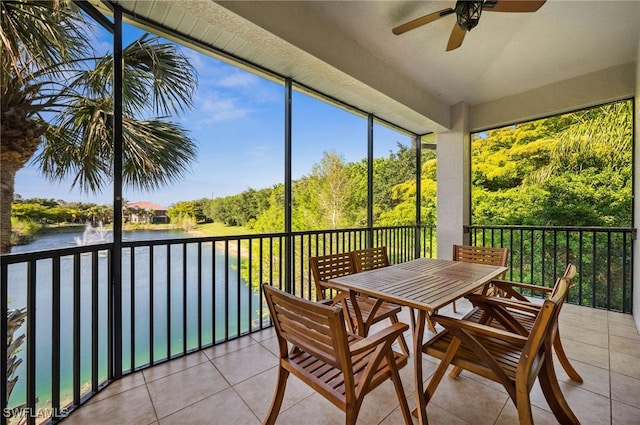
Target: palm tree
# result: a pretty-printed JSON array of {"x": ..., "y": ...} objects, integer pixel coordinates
[{"x": 57, "y": 104}]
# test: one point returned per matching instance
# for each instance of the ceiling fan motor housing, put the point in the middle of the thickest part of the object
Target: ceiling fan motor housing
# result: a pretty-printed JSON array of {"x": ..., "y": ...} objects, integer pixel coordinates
[{"x": 468, "y": 13}]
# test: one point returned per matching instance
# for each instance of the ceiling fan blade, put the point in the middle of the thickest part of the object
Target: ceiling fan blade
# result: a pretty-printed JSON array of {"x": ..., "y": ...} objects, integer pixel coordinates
[
  {"x": 513, "y": 5},
  {"x": 456, "y": 38},
  {"x": 423, "y": 20}
]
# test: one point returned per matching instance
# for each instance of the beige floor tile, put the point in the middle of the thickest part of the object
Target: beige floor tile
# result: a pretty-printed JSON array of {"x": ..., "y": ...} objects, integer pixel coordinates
[
  {"x": 395, "y": 418},
  {"x": 624, "y": 345},
  {"x": 482, "y": 380},
  {"x": 436, "y": 415},
  {"x": 594, "y": 314},
  {"x": 264, "y": 334},
  {"x": 132, "y": 407},
  {"x": 313, "y": 410},
  {"x": 229, "y": 347},
  {"x": 509, "y": 416},
  {"x": 586, "y": 353},
  {"x": 257, "y": 392},
  {"x": 184, "y": 388},
  {"x": 583, "y": 322},
  {"x": 595, "y": 379},
  {"x": 589, "y": 408},
  {"x": 469, "y": 400},
  {"x": 380, "y": 403},
  {"x": 173, "y": 366},
  {"x": 622, "y": 318},
  {"x": 625, "y": 389},
  {"x": 225, "y": 407},
  {"x": 625, "y": 364},
  {"x": 245, "y": 363},
  {"x": 584, "y": 335},
  {"x": 624, "y": 330},
  {"x": 121, "y": 385},
  {"x": 623, "y": 414},
  {"x": 271, "y": 344}
]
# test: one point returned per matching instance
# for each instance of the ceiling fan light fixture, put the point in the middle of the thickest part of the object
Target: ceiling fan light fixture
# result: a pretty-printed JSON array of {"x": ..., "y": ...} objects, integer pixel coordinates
[{"x": 468, "y": 13}]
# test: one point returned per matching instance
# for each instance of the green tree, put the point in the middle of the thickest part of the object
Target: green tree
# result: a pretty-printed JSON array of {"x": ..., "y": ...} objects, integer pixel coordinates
[
  {"x": 183, "y": 209},
  {"x": 327, "y": 193},
  {"x": 57, "y": 97},
  {"x": 574, "y": 169}
]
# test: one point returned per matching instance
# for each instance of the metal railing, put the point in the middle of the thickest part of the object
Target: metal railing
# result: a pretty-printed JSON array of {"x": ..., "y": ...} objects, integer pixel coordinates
[
  {"x": 178, "y": 296},
  {"x": 538, "y": 255}
]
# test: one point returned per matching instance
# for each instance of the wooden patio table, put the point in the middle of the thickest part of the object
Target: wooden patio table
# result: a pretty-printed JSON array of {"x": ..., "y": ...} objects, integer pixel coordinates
[{"x": 424, "y": 285}]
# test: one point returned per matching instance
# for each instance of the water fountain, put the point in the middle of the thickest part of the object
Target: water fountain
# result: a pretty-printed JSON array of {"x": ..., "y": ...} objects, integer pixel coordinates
[{"x": 94, "y": 235}]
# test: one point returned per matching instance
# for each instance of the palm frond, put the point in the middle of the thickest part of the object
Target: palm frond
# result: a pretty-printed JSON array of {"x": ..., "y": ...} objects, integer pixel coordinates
[
  {"x": 164, "y": 70},
  {"x": 40, "y": 34},
  {"x": 78, "y": 145},
  {"x": 155, "y": 153}
]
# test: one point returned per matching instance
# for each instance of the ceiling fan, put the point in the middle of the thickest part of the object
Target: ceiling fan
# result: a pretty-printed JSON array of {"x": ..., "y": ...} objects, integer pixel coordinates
[{"x": 467, "y": 16}]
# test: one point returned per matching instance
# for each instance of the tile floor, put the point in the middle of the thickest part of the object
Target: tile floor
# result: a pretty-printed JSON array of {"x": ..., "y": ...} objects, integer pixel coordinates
[{"x": 233, "y": 383}]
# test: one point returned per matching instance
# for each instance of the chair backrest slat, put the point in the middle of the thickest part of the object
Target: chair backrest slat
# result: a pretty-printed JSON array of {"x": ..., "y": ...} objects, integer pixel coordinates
[
  {"x": 481, "y": 254},
  {"x": 326, "y": 267},
  {"x": 315, "y": 328},
  {"x": 370, "y": 258}
]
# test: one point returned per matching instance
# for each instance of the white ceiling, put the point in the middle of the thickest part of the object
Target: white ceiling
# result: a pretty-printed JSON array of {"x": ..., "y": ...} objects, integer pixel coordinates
[
  {"x": 346, "y": 48},
  {"x": 505, "y": 54}
]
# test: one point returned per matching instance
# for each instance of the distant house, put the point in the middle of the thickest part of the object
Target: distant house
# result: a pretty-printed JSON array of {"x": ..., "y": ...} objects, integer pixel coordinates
[{"x": 145, "y": 212}]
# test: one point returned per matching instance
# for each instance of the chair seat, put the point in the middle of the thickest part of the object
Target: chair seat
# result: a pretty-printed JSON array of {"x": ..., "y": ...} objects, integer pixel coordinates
[
  {"x": 526, "y": 320},
  {"x": 330, "y": 380},
  {"x": 505, "y": 353}
]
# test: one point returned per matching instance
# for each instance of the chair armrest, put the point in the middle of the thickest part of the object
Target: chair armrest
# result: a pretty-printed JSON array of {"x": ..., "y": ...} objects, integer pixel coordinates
[
  {"x": 335, "y": 300},
  {"x": 478, "y": 329},
  {"x": 525, "y": 306},
  {"x": 388, "y": 333},
  {"x": 507, "y": 283}
]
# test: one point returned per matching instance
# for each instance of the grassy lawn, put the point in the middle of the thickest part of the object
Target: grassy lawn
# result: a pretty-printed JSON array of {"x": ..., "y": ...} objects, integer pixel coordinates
[{"x": 219, "y": 229}]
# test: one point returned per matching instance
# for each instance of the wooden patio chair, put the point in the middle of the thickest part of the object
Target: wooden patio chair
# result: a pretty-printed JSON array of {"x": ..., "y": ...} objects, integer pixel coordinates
[
  {"x": 370, "y": 258},
  {"x": 480, "y": 254},
  {"x": 488, "y": 311},
  {"x": 343, "y": 367},
  {"x": 361, "y": 311},
  {"x": 511, "y": 359}
]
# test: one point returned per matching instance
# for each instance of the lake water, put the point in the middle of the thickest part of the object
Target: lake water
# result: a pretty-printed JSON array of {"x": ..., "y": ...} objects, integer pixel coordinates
[
  {"x": 203, "y": 287},
  {"x": 68, "y": 240}
]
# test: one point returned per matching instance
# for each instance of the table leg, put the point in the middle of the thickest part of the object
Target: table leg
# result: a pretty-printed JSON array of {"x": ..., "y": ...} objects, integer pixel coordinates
[{"x": 418, "y": 335}]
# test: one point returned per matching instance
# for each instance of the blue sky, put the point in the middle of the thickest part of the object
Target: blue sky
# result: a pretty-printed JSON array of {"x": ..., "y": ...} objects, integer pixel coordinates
[{"x": 238, "y": 125}]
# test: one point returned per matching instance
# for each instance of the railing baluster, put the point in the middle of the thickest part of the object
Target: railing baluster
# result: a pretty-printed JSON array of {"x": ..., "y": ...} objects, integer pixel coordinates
[
  {"x": 226, "y": 288},
  {"x": 94, "y": 321},
  {"x": 250, "y": 284},
  {"x": 168, "y": 306},
  {"x": 77, "y": 303},
  {"x": 31, "y": 340},
  {"x": 213, "y": 292},
  {"x": 199, "y": 299},
  {"x": 238, "y": 291},
  {"x": 55, "y": 335},
  {"x": 184, "y": 298},
  {"x": 4, "y": 304},
  {"x": 593, "y": 263},
  {"x": 608, "y": 270},
  {"x": 151, "y": 307},
  {"x": 132, "y": 300}
]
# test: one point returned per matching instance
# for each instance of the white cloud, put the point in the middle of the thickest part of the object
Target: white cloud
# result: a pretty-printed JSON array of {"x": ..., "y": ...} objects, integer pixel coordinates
[
  {"x": 238, "y": 79},
  {"x": 214, "y": 108}
]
